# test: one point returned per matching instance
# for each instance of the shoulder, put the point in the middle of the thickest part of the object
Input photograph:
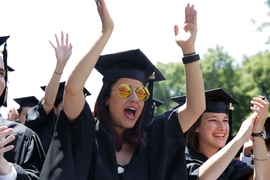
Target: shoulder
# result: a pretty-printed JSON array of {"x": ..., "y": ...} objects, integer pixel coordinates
[{"x": 163, "y": 118}]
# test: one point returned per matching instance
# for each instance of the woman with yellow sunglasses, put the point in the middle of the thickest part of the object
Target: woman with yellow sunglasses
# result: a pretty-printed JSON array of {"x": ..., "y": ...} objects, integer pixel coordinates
[{"x": 117, "y": 141}]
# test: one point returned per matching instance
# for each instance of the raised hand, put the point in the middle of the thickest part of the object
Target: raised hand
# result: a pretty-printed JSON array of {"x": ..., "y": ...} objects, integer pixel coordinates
[
  {"x": 260, "y": 106},
  {"x": 4, "y": 165},
  {"x": 186, "y": 39},
  {"x": 13, "y": 114},
  {"x": 246, "y": 128},
  {"x": 62, "y": 51},
  {"x": 107, "y": 22}
]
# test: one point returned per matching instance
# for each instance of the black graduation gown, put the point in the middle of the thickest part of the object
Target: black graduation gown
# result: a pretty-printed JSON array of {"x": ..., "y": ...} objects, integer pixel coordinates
[
  {"x": 236, "y": 170},
  {"x": 27, "y": 156},
  {"x": 85, "y": 150},
  {"x": 43, "y": 124},
  {"x": 167, "y": 148}
]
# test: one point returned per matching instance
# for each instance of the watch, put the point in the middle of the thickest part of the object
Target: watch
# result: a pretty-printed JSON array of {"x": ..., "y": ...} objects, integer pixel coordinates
[{"x": 260, "y": 134}]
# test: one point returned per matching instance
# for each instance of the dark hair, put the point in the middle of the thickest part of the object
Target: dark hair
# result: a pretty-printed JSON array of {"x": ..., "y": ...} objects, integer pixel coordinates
[
  {"x": 101, "y": 112},
  {"x": 192, "y": 137}
]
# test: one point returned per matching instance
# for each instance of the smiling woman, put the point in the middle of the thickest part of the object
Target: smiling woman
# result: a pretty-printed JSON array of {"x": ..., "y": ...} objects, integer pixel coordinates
[{"x": 208, "y": 156}]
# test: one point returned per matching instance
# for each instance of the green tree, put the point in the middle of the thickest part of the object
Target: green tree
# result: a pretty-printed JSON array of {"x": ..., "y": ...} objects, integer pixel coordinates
[
  {"x": 174, "y": 85},
  {"x": 265, "y": 24},
  {"x": 221, "y": 70}
]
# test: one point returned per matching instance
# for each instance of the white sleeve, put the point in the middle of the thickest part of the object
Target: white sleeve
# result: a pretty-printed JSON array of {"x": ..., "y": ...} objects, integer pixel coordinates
[
  {"x": 245, "y": 159},
  {"x": 10, "y": 176}
]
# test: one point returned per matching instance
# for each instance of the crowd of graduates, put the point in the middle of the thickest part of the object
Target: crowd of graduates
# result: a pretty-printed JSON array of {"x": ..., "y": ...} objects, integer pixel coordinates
[{"x": 61, "y": 137}]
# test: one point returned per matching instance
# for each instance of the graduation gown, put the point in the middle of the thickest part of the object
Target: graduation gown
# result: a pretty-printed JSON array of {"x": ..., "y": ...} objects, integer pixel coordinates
[
  {"x": 43, "y": 124},
  {"x": 85, "y": 150},
  {"x": 167, "y": 147},
  {"x": 236, "y": 170},
  {"x": 27, "y": 156}
]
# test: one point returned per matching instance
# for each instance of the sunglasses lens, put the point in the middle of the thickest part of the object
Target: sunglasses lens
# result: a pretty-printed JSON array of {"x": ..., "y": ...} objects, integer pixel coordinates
[
  {"x": 124, "y": 91},
  {"x": 142, "y": 93}
]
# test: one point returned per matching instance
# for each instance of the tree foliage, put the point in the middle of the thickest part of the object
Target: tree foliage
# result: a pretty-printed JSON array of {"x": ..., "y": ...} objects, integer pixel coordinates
[{"x": 265, "y": 24}]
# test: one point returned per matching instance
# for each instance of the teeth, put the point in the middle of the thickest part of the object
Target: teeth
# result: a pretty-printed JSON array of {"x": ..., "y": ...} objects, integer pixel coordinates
[
  {"x": 221, "y": 135},
  {"x": 132, "y": 109}
]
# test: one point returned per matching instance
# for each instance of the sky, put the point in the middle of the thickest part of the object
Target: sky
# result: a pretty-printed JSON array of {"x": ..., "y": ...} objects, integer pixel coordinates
[{"x": 144, "y": 24}]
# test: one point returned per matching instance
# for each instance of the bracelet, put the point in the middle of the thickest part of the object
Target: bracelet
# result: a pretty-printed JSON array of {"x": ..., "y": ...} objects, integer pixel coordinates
[
  {"x": 58, "y": 72},
  {"x": 256, "y": 134},
  {"x": 190, "y": 54},
  {"x": 191, "y": 59},
  {"x": 261, "y": 134},
  {"x": 260, "y": 159}
]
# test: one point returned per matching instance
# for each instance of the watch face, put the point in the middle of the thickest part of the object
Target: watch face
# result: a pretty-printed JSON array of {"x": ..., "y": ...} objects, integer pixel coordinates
[{"x": 264, "y": 134}]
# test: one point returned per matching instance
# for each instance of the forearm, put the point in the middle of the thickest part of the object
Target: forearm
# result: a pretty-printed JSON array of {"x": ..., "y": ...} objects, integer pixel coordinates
[
  {"x": 83, "y": 69},
  {"x": 216, "y": 164},
  {"x": 51, "y": 91},
  {"x": 195, "y": 98},
  {"x": 260, "y": 159}
]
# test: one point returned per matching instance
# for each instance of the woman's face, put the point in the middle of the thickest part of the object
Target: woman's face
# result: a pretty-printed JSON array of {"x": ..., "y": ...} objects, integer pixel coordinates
[
  {"x": 213, "y": 131},
  {"x": 125, "y": 112}
]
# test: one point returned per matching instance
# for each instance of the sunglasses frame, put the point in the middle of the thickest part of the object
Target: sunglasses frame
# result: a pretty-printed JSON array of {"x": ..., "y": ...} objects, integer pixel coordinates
[{"x": 131, "y": 90}]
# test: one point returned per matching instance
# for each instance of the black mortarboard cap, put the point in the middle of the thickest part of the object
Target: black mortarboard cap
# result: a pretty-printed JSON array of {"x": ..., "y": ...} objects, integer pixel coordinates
[
  {"x": 60, "y": 93},
  {"x": 217, "y": 100},
  {"x": 10, "y": 69},
  {"x": 130, "y": 64},
  {"x": 157, "y": 102},
  {"x": 3, "y": 40},
  {"x": 29, "y": 101}
]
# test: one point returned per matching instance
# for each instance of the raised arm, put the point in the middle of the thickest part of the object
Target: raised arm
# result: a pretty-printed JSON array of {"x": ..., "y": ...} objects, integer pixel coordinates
[
  {"x": 73, "y": 97},
  {"x": 195, "y": 101},
  {"x": 216, "y": 164},
  {"x": 63, "y": 52},
  {"x": 260, "y": 155}
]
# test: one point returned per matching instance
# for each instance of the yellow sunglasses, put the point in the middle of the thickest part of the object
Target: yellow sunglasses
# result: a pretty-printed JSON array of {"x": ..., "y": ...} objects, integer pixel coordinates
[{"x": 125, "y": 90}]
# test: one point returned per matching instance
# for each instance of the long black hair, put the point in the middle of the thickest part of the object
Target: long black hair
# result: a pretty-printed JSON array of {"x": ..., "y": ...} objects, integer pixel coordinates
[{"x": 101, "y": 112}]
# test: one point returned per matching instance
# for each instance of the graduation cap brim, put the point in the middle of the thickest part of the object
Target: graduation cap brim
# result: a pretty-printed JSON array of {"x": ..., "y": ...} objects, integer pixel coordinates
[
  {"x": 28, "y": 101},
  {"x": 157, "y": 102},
  {"x": 217, "y": 100},
  {"x": 61, "y": 89},
  {"x": 124, "y": 63},
  {"x": 10, "y": 69},
  {"x": 3, "y": 39}
]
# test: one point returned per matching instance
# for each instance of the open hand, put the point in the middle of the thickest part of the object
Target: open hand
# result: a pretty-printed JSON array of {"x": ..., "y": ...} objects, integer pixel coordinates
[
  {"x": 186, "y": 39},
  {"x": 62, "y": 51}
]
